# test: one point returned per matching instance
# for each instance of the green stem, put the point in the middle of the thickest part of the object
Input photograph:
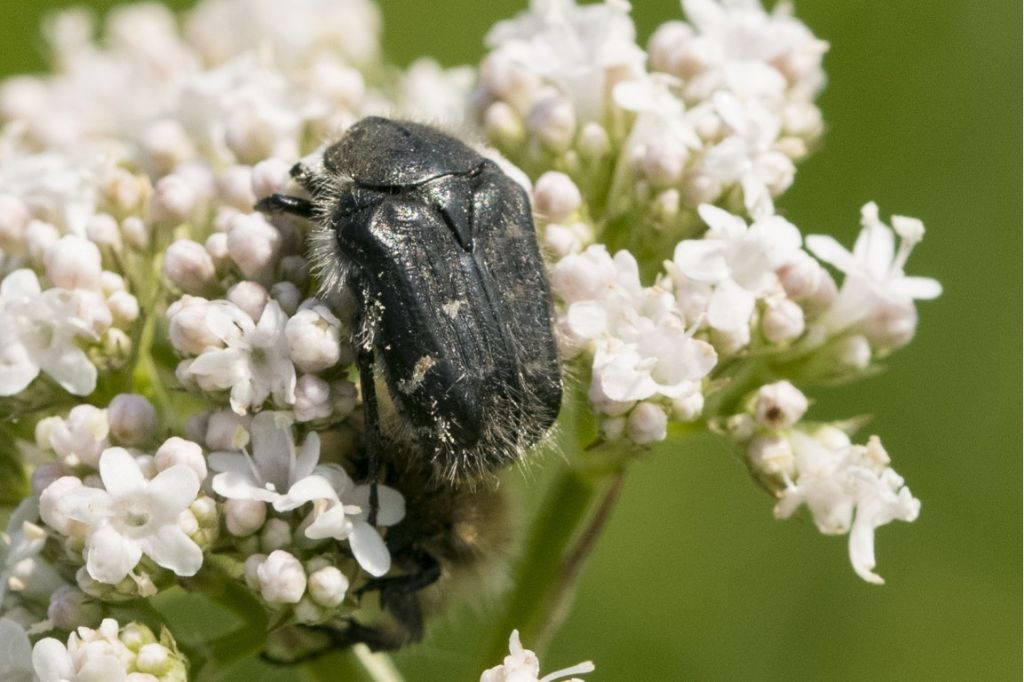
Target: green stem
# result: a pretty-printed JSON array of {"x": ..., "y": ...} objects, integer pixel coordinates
[
  {"x": 547, "y": 570},
  {"x": 357, "y": 664}
]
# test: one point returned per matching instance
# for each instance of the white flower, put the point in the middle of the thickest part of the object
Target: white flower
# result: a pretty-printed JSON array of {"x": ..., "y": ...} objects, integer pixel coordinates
[
  {"x": 847, "y": 489},
  {"x": 747, "y": 157},
  {"x": 341, "y": 510},
  {"x": 581, "y": 49},
  {"x": 81, "y": 437},
  {"x": 131, "y": 516},
  {"x": 37, "y": 333},
  {"x": 739, "y": 262},
  {"x": 90, "y": 656},
  {"x": 874, "y": 269},
  {"x": 274, "y": 472},
  {"x": 522, "y": 665},
  {"x": 736, "y": 45},
  {"x": 255, "y": 363}
]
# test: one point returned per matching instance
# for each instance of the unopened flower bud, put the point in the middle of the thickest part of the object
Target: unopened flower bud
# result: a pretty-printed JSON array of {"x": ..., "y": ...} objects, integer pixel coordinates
[
  {"x": 553, "y": 121},
  {"x": 613, "y": 428},
  {"x": 124, "y": 308},
  {"x": 82, "y": 435},
  {"x": 822, "y": 297},
  {"x": 172, "y": 200},
  {"x": 503, "y": 125},
  {"x": 782, "y": 321},
  {"x": 153, "y": 659},
  {"x": 250, "y": 296},
  {"x": 103, "y": 230},
  {"x": 800, "y": 276},
  {"x": 189, "y": 267},
  {"x": 287, "y": 295},
  {"x": 165, "y": 144},
  {"x": 282, "y": 579},
  {"x": 327, "y": 586},
  {"x": 779, "y": 405},
  {"x": 772, "y": 454},
  {"x": 178, "y": 451},
  {"x": 244, "y": 517},
  {"x": 253, "y": 243},
  {"x": 730, "y": 341},
  {"x": 14, "y": 217},
  {"x": 740, "y": 427},
  {"x": 593, "y": 142},
  {"x": 217, "y": 246},
  {"x": 314, "y": 335},
  {"x": 312, "y": 398},
  {"x": 123, "y": 190},
  {"x": 132, "y": 418},
  {"x": 252, "y": 564},
  {"x": 74, "y": 263},
  {"x": 890, "y": 324},
  {"x": 204, "y": 509},
  {"x": 39, "y": 237},
  {"x": 111, "y": 282},
  {"x": 269, "y": 176},
  {"x": 664, "y": 160},
  {"x": 236, "y": 188},
  {"x": 70, "y": 608},
  {"x": 556, "y": 196},
  {"x": 647, "y": 423},
  {"x": 276, "y": 534},
  {"x": 688, "y": 408},
  {"x": 188, "y": 523},
  {"x": 135, "y": 232}
]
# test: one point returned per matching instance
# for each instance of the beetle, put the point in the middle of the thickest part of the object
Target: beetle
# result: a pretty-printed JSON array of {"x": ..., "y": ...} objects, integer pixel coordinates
[{"x": 456, "y": 351}]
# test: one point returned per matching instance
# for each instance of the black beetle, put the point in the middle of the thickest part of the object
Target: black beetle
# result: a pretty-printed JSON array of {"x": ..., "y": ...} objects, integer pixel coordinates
[{"x": 454, "y": 310}]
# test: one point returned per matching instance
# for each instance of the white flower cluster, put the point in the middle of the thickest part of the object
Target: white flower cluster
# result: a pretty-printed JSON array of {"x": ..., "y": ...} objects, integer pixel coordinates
[
  {"x": 847, "y": 488},
  {"x": 133, "y": 264},
  {"x": 522, "y": 665},
  {"x": 109, "y": 652},
  {"x": 725, "y": 110},
  {"x": 716, "y": 110}
]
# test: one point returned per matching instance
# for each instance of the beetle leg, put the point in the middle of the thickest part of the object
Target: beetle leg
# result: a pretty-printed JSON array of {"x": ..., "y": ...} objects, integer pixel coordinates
[
  {"x": 371, "y": 421},
  {"x": 283, "y": 203},
  {"x": 305, "y": 176}
]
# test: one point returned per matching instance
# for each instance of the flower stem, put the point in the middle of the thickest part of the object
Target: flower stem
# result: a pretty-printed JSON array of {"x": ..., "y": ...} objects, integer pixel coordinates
[
  {"x": 563, "y": 534},
  {"x": 358, "y": 664}
]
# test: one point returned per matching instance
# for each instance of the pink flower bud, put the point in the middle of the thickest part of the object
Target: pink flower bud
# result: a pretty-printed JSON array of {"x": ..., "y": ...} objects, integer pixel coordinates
[{"x": 132, "y": 418}]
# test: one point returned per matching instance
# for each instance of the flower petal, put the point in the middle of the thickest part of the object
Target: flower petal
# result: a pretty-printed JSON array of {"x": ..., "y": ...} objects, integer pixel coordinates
[
  {"x": 832, "y": 252},
  {"x": 51, "y": 661},
  {"x": 305, "y": 490},
  {"x": 922, "y": 288},
  {"x": 70, "y": 367},
  {"x": 369, "y": 549},
  {"x": 120, "y": 472},
  {"x": 171, "y": 548},
  {"x": 110, "y": 555},
  {"x": 702, "y": 260},
  {"x": 173, "y": 490}
]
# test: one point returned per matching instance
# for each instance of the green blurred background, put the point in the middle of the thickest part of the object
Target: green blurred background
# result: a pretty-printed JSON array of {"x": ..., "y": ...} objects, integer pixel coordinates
[{"x": 694, "y": 579}]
